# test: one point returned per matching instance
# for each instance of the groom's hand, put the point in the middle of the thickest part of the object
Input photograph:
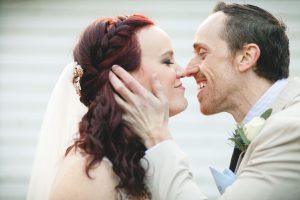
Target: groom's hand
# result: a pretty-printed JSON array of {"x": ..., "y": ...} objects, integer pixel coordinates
[{"x": 146, "y": 113}]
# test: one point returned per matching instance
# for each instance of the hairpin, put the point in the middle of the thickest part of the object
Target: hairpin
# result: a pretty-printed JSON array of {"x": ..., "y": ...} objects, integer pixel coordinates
[{"x": 78, "y": 72}]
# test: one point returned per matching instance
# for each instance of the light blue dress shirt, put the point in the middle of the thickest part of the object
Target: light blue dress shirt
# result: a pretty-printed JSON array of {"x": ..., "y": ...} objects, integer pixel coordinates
[{"x": 226, "y": 178}]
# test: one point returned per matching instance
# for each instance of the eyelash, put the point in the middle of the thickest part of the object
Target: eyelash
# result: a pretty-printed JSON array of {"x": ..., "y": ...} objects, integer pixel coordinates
[
  {"x": 168, "y": 62},
  {"x": 202, "y": 55}
]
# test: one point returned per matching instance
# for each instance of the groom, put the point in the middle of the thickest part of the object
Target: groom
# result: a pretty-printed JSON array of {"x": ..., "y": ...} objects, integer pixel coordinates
[{"x": 241, "y": 65}]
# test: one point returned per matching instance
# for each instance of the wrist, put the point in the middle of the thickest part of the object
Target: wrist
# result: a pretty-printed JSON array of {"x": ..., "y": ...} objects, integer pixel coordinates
[{"x": 156, "y": 138}]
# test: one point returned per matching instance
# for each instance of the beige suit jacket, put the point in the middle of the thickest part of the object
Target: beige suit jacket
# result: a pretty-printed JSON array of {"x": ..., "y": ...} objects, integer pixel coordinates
[{"x": 270, "y": 169}]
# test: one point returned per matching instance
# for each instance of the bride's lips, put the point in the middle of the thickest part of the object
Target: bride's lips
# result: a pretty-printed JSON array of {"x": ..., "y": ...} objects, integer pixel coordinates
[{"x": 180, "y": 86}]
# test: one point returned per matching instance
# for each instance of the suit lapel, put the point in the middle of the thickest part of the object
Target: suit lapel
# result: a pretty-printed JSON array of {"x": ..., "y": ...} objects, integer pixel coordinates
[
  {"x": 287, "y": 95},
  {"x": 284, "y": 98}
]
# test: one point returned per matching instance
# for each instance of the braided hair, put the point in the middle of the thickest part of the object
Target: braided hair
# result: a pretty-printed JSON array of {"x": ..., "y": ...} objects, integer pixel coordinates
[{"x": 102, "y": 133}]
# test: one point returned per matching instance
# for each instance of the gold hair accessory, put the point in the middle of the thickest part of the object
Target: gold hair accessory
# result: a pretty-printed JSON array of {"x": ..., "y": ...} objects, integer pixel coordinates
[{"x": 78, "y": 72}]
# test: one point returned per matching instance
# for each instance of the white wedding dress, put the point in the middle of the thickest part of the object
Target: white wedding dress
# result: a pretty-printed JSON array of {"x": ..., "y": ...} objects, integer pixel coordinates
[{"x": 60, "y": 125}]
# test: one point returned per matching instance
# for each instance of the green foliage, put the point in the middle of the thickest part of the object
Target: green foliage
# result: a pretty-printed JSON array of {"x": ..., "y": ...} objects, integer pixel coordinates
[
  {"x": 239, "y": 138},
  {"x": 266, "y": 114}
]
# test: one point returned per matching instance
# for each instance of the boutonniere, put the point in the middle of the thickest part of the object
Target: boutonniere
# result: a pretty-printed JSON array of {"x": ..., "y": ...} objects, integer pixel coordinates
[{"x": 244, "y": 134}]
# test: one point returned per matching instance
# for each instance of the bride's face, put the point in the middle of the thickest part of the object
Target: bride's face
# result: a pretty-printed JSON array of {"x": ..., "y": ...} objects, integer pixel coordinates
[{"x": 158, "y": 57}]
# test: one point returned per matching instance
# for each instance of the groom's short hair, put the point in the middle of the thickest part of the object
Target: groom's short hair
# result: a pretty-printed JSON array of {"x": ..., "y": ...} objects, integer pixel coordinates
[{"x": 250, "y": 24}]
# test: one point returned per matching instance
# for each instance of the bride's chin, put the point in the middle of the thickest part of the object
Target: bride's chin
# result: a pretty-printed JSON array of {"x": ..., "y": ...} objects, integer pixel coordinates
[{"x": 180, "y": 107}]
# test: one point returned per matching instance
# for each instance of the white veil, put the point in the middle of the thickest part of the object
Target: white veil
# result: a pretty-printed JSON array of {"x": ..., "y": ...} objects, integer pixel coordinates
[{"x": 60, "y": 125}]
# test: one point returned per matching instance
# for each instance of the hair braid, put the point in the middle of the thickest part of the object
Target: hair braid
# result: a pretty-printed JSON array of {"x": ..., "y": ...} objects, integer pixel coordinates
[{"x": 102, "y": 132}]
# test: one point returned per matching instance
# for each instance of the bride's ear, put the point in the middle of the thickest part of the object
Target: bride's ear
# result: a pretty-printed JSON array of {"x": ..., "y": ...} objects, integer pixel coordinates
[{"x": 247, "y": 57}]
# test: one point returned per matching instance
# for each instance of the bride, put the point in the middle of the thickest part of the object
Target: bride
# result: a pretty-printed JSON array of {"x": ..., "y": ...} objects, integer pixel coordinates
[{"x": 85, "y": 150}]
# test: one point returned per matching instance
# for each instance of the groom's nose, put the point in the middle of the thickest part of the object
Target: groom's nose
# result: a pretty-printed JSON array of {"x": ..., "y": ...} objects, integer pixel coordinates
[
  {"x": 193, "y": 62},
  {"x": 192, "y": 69}
]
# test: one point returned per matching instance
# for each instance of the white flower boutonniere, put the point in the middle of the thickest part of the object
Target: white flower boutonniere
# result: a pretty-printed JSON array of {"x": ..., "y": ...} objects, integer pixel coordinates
[{"x": 244, "y": 134}]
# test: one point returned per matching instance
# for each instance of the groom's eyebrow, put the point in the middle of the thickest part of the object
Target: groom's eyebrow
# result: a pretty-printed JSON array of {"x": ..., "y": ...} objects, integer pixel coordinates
[{"x": 197, "y": 46}]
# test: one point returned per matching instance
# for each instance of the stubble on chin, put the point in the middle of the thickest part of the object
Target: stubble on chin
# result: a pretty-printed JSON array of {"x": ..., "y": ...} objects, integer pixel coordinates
[{"x": 207, "y": 108}]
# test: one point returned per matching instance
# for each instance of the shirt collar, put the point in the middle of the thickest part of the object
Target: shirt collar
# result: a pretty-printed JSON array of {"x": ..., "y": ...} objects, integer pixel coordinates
[{"x": 265, "y": 100}]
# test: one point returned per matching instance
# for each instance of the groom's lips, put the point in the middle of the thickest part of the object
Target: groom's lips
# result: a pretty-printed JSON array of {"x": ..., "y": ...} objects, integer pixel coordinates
[{"x": 202, "y": 83}]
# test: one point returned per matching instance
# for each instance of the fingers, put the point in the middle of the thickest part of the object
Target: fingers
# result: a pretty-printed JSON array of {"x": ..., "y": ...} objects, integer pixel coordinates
[
  {"x": 157, "y": 89},
  {"x": 131, "y": 83},
  {"x": 120, "y": 102},
  {"x": 120, "y": 88},
  {"x": 130, "y": 89},
  {"x": 125, "y": 107}
]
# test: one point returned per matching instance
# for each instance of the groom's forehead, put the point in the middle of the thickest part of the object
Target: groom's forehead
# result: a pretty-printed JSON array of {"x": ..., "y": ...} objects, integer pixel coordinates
[
  {"x": 213, "y": 24},
  {"x": 213, "y": 19},
  {"x": 208, "y": 31}
]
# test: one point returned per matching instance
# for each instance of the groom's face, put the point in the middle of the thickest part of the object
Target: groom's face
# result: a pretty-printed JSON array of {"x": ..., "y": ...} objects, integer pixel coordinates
[{"x": 216, "y": 79}]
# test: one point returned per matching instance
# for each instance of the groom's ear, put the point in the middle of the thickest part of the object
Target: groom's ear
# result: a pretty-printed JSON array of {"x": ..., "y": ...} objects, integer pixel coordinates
[{"x": 247, "y": 57}]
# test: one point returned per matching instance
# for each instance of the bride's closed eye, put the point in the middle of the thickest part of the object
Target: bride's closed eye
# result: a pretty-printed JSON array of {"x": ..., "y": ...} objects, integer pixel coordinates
[{"x": 168, "y": 62}]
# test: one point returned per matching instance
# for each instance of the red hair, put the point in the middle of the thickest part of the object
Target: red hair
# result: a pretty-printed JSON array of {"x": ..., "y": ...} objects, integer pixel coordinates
[{"x": 102, "y": 132}]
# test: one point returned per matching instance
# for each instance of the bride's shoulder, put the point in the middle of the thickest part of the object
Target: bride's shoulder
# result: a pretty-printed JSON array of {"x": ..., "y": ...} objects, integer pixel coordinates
[{"x": 72, "y": 181}]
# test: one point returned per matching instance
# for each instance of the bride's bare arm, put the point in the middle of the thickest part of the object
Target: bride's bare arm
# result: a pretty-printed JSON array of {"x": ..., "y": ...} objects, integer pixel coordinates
[{"x": 72, "y": 182}]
